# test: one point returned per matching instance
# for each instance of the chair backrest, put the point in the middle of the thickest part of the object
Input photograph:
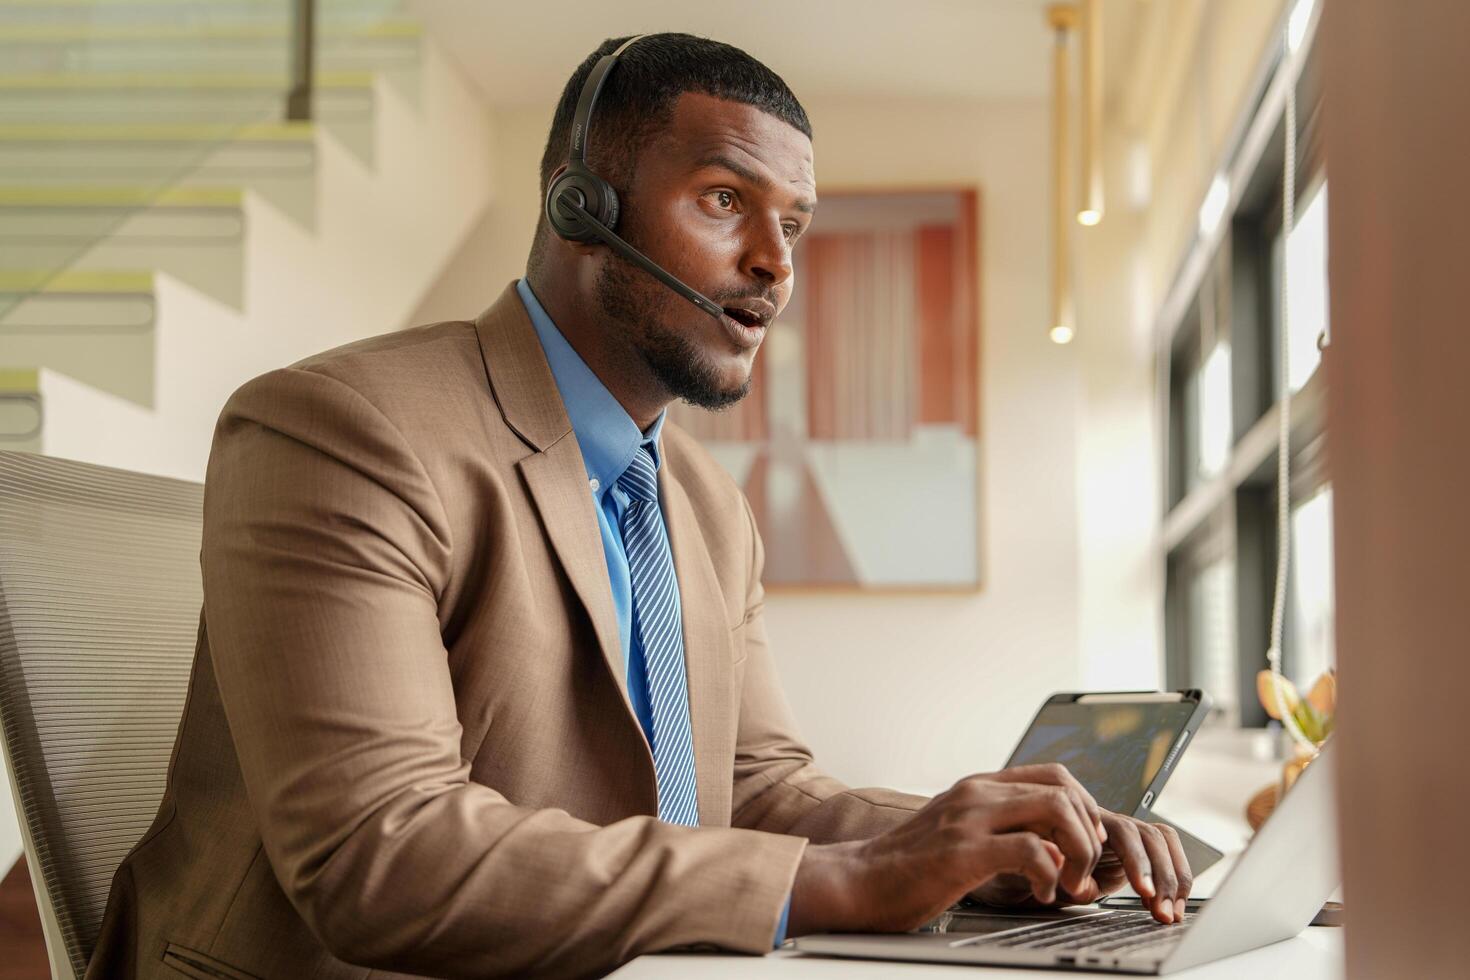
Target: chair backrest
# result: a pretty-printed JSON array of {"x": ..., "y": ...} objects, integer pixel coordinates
[{"x": 99, "y": 608}]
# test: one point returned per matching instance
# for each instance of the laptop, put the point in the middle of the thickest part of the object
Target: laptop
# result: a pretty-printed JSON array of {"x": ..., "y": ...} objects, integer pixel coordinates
[{"x": 1272, "y": 893}]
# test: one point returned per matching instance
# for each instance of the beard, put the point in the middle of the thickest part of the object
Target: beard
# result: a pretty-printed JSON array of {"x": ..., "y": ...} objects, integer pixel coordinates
[{"x": 629, "y": 296}]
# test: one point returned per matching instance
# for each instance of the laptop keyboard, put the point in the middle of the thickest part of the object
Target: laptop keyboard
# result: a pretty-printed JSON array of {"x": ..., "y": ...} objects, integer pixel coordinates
[{"x": 1110, "y": 932}]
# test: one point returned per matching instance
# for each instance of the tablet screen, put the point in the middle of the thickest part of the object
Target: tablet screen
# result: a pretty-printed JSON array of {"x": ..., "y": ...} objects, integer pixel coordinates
[{"x": 1114, "y": 750}]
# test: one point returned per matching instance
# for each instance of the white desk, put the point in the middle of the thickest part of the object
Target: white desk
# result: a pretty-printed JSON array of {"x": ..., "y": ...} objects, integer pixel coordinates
[
  {"x": 1314, "y": 955},
  {"x": 1206, "y": 795}
]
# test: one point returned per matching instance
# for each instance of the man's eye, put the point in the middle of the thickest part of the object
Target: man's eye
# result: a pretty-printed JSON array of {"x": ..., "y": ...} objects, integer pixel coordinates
[
  {"x": 725, "y": 199},
  {"x": 791, "y": 232}
]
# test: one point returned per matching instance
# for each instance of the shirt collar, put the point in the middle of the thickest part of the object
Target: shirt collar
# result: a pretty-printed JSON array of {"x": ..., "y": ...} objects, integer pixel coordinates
[{"x": 605, "y": 431}]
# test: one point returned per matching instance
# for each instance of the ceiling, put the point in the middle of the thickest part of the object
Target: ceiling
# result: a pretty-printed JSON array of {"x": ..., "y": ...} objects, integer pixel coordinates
[{"x": 521, "y": 54}]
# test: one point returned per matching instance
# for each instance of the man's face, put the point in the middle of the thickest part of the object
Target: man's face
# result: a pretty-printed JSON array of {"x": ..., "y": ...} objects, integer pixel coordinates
[{"x": 718, "y": 198}]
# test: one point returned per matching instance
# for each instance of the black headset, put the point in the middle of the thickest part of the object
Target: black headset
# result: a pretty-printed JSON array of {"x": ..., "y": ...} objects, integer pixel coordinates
[{"x": 582, "y": 207}]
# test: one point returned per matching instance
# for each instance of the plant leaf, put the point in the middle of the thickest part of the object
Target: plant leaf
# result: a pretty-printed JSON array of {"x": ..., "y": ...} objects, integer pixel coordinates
[{"x": 1266, "y": 691}]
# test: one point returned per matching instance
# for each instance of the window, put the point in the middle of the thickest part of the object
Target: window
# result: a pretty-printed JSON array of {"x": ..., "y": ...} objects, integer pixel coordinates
[{"x": 1222, "y": 371}]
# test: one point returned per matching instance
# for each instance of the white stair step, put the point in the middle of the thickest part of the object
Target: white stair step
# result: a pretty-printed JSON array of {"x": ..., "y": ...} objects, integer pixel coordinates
[
  {"x": 291, "y": 190},
  {"x": 20, "y": 409},
  {"x": 96, "y": 327},
  {"x": 119, "y": 363},
  {"x": 75, "y": 301},
  {"x": 175, "y": 97},
  {"x": 189, "y": 47},
  {"x": 329, "y": 12},
  {"x": 87, "y": 213},
  {"x": 363, "y": 55},
  {"x": 181, "y": 30},
  {"x": 150, "y": 83},
  {"x": 37, "y": 152},
  {"x": 214, "y": 268}
]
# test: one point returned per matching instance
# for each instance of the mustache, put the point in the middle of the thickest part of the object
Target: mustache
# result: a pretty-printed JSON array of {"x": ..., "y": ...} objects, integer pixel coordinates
[{"x": 732, "y": 297}]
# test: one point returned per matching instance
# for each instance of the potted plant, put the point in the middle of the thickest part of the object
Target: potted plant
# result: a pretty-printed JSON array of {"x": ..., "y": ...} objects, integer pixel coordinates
[{"x": 1315, "y": 715}]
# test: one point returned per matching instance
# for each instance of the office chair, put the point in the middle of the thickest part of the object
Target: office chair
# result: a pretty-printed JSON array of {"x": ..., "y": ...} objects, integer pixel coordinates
[{"x": 99, "y": 605}]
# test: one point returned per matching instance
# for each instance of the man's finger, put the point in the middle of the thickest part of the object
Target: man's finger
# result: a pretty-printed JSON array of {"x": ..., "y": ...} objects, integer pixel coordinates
[
  {"x": 1125, "y": 842},
  {"x": 1094, "y": 839},
  {"x": 1049, "y": 811},
  {"x": 1025, "y": 853},
  {"x": 1056, "y": 774},
  {"x": 1109, "y": 873},
  {"x": 1079, "y": 801},
  {"x": 1090, "y": 809},
  {"x": 1182, "y": 871},
  {"x": 1165, "y": 880}
]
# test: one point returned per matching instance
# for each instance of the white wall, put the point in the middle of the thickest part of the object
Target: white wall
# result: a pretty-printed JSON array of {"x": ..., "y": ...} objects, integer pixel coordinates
[
  {"x": 1118, "y": 484},
  {"x": 916, "y": 691},
  {"x": 495, "y": 248}
]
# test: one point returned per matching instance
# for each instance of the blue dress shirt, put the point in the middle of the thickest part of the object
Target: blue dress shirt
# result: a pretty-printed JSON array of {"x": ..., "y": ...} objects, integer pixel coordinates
[{"x": 608, "y": 437}]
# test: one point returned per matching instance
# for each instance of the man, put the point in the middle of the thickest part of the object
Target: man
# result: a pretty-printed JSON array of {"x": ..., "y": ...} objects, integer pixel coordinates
[{"x": 482, "y": 685}]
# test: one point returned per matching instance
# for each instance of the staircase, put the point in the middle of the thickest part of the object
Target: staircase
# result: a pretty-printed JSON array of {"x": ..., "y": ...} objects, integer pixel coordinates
[{"x": 165, "y": 234}]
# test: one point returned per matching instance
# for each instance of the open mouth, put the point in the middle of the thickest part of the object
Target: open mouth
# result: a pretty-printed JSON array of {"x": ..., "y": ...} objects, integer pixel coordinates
[
  {"x": 745, "y": 328},
  {"x": 746, "y": 318}
]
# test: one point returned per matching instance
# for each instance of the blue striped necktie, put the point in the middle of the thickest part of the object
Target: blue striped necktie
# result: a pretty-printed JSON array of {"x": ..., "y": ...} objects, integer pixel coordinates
[{"x": 657, "y": 622}]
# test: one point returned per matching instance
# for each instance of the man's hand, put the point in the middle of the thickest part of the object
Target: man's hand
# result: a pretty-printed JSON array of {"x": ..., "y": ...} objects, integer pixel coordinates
[
  {"x": 1036, "y": 823},
  {"x": 1147, "y": 856}
]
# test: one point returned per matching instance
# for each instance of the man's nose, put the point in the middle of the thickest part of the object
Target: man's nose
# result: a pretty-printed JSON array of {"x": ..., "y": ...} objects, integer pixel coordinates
[{"x": 768, "y": 255}]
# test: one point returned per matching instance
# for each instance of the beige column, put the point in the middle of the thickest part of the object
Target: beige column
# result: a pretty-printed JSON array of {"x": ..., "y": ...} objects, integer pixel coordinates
[{"x": 1398, "y": 159}]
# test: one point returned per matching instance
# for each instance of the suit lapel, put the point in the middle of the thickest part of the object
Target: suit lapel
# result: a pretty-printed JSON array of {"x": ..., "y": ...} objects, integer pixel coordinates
[
  {"x": 706, "y": 652},
  {"x": 558, "y": 484},
  {"x": 555, "y": 474}
]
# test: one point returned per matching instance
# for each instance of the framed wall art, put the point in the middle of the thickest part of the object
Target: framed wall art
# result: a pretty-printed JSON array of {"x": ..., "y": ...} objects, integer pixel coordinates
[{"x": 859, "y": 443}]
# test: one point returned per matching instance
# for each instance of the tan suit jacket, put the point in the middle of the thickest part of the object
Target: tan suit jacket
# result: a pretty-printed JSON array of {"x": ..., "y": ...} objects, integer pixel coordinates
[{"x": 407, "y": 746}]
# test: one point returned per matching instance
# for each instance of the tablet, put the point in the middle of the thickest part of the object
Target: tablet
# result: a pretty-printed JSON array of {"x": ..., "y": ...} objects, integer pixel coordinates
[{"x": 1120, "y": 745}]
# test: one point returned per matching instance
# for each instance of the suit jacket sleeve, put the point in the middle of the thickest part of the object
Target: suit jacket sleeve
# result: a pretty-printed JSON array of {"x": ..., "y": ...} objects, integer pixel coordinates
[
  {"x": 325, "y": 552},
  {"x": 778, "y": 787}
]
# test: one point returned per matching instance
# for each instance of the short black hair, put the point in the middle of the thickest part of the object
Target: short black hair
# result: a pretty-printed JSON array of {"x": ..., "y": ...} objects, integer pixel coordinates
[{"x": 638, "y": 98}]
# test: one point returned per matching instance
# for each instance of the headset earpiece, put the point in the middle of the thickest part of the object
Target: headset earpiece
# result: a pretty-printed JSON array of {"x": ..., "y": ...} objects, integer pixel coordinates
[{"x": 591, "y": 192}]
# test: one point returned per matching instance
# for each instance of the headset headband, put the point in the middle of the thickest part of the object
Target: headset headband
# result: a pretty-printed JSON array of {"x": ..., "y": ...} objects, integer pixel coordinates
[{"x": 588, "y": 100}]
